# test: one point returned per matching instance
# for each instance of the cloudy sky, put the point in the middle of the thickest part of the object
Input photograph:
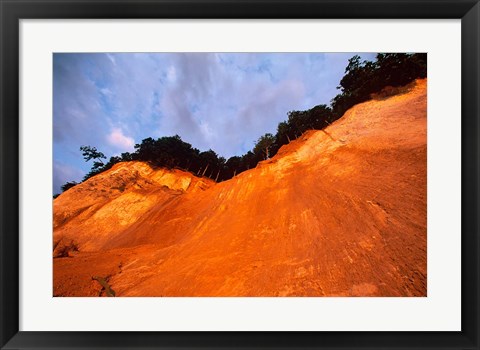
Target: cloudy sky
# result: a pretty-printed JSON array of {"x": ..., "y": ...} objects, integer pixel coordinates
[{"x": 222, "y": 101}]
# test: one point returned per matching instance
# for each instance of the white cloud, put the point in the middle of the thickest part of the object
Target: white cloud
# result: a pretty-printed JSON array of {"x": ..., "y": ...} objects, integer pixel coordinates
[
  {"x": 106, "y": 92},
  {"x": 112, "y": 59},
  {"x": 117, "y": 139},
  {"x": 172, "y": 74}
]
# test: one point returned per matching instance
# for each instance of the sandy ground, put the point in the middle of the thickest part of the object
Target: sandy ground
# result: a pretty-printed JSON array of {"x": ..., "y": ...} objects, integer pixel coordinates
[{"x": 339, "y": 212}]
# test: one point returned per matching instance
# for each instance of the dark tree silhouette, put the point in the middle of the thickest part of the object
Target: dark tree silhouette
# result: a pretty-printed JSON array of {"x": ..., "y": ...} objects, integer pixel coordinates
[
  {"x": 68, "y": 185},
  {"x": 263, "y": 145},
  {"x": 90, "y": 153}
]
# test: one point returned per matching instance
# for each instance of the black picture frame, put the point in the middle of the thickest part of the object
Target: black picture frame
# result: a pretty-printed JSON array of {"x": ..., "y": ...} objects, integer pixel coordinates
[{"x": 12, "y": 11}]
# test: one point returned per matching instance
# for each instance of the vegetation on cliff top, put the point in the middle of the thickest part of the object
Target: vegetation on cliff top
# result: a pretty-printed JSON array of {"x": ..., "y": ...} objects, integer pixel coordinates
[{"x": 361, "y": 80}]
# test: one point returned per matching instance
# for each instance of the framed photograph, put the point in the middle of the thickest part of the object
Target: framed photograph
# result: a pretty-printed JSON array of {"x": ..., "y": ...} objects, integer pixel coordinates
[{"x": 235, "y": 174}]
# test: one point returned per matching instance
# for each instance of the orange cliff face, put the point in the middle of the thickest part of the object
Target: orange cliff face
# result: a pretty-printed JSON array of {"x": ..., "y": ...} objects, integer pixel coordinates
[
  {"x": 98, "y": 210},
  {"x": 339, "y": 212}
]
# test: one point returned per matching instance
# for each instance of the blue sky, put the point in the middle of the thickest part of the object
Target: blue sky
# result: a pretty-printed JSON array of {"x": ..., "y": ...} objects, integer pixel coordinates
[{"x": 222, "y": 101}]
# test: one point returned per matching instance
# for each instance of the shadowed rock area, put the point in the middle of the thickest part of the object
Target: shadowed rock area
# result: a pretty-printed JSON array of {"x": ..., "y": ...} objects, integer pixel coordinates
[{"x": 337, "y": 212}]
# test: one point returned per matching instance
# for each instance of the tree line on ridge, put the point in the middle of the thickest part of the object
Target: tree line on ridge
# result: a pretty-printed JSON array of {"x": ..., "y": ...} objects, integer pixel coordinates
[{"x": 361, "y": 80}]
